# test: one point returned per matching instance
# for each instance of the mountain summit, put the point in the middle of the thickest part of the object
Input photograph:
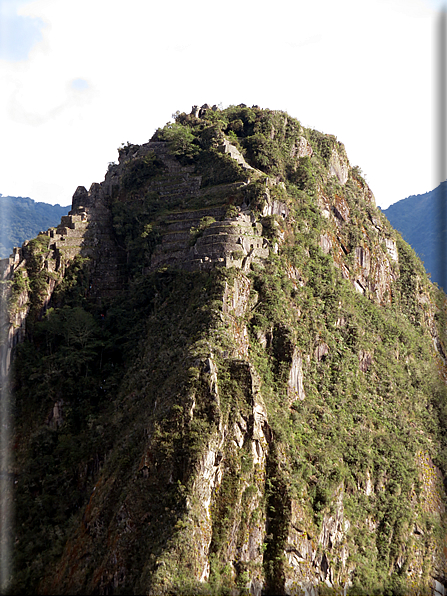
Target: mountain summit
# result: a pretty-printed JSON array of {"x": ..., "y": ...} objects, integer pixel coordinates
[{"x": 228, "y": 376}]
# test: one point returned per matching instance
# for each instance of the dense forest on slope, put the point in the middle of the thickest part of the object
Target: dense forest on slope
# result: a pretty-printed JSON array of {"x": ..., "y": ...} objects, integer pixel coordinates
[
  {"x": 255, "y": 403},
  {"x": 421, "y": 220},
  {"x": 22, "y": 219}
]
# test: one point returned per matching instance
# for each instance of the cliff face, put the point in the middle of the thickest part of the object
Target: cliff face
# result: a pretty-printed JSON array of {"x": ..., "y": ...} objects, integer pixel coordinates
[{"x": 232, "y": 378}]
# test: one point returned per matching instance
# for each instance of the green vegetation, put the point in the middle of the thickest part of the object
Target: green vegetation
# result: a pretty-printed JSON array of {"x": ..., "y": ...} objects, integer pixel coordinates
[
  {"x": 140, "y": 170},
  {"x": 197, "y": 231},
  {"x": 22, "y": 219},
  {"x": 128, "y": 410},
  {"x": 352, "y": 424}
]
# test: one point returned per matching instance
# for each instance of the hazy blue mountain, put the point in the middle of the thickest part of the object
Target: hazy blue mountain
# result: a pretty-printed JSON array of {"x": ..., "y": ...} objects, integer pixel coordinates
[
  {"x": 421, "y": 220},
  {"x": 22, "y": 219}
]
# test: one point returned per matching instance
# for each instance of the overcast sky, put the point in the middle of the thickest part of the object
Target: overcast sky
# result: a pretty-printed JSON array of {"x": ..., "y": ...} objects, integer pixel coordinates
[{"x": 80, "y": 77}]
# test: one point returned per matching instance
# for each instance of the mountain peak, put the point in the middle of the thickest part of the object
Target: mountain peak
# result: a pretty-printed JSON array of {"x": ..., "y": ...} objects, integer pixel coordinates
[{"x": 229, "y": 377}]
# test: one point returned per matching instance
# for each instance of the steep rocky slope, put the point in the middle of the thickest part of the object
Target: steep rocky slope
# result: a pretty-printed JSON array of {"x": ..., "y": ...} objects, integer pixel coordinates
[{"x": 229, "y": 377}]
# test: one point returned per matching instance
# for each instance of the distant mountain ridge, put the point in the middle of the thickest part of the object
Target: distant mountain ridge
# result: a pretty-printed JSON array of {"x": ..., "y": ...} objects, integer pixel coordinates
[
  {"x": 421, "y": 221},
  {"x": 22, "y": 219}
]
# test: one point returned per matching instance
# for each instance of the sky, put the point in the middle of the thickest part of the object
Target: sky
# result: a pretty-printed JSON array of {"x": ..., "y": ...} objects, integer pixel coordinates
[{"x": 80, "y": 77}]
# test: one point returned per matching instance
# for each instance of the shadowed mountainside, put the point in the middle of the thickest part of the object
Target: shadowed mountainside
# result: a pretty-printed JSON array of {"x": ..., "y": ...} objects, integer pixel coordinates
[
  {"x": 421, "y": 220},
  {"x": 228, "y": 376}
]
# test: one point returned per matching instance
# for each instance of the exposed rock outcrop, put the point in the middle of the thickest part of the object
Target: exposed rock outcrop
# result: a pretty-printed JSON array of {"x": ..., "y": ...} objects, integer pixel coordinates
[{"x": 251, "y": 400}]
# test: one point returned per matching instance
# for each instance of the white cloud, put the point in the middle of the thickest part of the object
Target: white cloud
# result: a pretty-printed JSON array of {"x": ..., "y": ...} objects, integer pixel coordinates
[
  {"x": 436, "y": 4},
  {"x": 18, "y": 33},
  {"x": 354, "y": 69}
]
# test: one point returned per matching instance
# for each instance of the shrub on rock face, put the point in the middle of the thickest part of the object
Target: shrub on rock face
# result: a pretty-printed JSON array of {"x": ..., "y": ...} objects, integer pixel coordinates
[
  {"x": 138, "y": 171},
  {"x": 261, "y": 152},
  {"x": 265, "y": 427},
  {"x": 303, "y": 176},
  {"x": 197, "y": 232},
  {"x": 181, "y": 140}
]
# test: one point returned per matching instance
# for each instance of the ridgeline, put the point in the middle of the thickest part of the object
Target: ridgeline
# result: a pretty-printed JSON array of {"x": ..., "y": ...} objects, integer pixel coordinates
[
  {"x": 22, "y": 219},
  {"x": 228, "y": 376}
]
